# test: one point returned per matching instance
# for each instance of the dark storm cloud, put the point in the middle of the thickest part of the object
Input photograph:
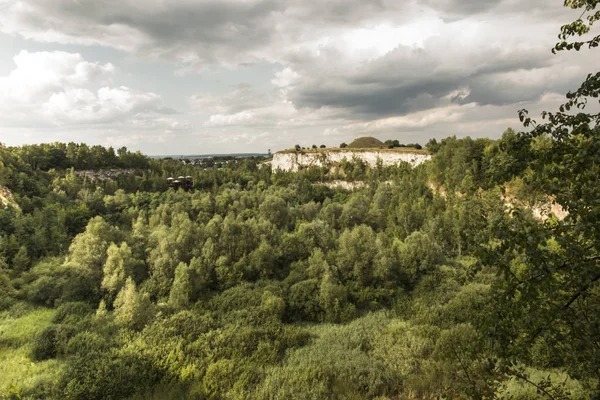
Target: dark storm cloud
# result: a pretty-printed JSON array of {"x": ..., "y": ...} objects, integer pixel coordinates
[
  {"x": 410, "y": 80},
  {"x": 199, "y": 32},
  {"x": 376, "y": 101},
  {"x": 229, "y": 32}
]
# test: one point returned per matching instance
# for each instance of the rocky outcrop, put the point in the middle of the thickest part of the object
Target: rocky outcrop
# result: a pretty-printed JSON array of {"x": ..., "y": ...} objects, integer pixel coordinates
[
  {"x": 541, "y": 210},
  {"x": 104, "y": 174},
  {"x": 6, "y": 198},
  {"x": 349, "y": 185},
  {"x": 293, "y": 161},
  {"x": 337, "y": 184}
]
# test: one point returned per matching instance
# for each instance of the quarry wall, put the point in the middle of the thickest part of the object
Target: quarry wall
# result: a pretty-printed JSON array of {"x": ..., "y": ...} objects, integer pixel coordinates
[
  {"x": 104, "y": 174},
  {"x": 293, "y": 161}
]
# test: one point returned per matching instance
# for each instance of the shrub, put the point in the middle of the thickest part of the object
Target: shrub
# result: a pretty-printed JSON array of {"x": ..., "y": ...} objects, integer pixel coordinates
[
  {"x": 72, "y": 312},
  {"x": 107, "y": 376},
  {"x": 6, "y": 292},
  {"x": 44, "y": 344},
  {"x": 303, "y": 301},
  {"x": 87, "y": 343},
  {"x": 45, "y": 290}
]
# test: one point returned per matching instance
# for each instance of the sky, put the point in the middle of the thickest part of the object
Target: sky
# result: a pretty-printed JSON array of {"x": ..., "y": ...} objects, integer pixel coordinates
[{"x": 234, "y": 76}]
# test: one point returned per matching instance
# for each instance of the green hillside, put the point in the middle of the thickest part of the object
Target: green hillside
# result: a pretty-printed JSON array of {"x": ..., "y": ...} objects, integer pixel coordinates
[{"x": 366, "y": 142}]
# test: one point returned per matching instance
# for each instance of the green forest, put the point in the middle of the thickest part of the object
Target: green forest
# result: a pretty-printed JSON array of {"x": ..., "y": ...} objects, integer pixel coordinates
[
  {"x": 449, "y": 280},
  {"x": 427, "y": 282}
]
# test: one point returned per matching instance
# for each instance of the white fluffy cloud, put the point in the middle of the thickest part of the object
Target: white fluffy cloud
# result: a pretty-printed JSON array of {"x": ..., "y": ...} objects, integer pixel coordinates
[
  {"x": 77, "y": 105},
  {"x": 62, "y": 88},
  {"x": 39, "y": 74}
]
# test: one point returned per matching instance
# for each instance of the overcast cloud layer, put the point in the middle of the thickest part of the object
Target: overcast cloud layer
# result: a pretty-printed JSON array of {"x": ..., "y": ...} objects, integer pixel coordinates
[{"x": 246, "y": 75}]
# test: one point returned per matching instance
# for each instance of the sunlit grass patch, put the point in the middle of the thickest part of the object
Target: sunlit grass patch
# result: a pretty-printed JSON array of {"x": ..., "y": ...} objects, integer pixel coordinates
[
  {"x": 17, "y": 372},
  {"x": 517, "y": 388},
  {"x": 15, "y": 332}
]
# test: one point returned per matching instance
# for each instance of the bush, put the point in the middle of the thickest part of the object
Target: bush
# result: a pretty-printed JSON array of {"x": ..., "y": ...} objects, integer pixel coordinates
[
  {"x": 303, "y": 301},
  {"x": 51, "y": 342},
  {"x": 6, "y": 292},
  {"x": 44, "y": 345},
  {"x": 109, "y": 376},
  {"x": 72, "y": 312},
  {"x": 45, "y": 290},
  {"x": 336, "y": 365},
  {"x": 86, "y": 343}
]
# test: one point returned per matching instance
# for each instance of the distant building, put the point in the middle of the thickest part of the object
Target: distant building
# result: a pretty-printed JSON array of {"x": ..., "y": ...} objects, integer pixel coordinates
[{"x": 186, "y": 183}]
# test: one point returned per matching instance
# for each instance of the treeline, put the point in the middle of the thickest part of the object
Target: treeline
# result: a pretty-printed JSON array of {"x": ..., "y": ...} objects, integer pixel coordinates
[
  {"x": 392, "y": 144},
  {"x": 80, "y": 156},
  {"x": 423, "y": 282}
]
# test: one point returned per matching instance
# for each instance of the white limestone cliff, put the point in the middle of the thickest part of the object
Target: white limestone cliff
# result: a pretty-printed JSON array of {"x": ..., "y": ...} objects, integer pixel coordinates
[{"x": 293, "y": 161}]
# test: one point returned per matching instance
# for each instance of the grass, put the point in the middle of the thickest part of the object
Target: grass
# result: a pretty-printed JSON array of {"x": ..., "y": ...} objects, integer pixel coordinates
[
  {"x": 17, "y": 332},
  {"x": 17, "y": 371}
]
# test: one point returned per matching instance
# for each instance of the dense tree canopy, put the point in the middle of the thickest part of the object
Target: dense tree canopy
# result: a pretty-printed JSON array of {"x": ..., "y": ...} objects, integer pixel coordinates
[{"x": 230, "y": 290}]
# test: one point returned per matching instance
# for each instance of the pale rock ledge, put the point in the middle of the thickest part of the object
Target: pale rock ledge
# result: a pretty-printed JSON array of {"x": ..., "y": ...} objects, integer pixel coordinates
[{"x": 293, "y": 161}]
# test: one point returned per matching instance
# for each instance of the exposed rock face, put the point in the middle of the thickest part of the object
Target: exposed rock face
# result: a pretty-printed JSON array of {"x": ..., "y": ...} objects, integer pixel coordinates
[
  {"x": 344, "y": 185},
  {"x": 104, "y": 174},
  {"x": 6, "y": 198},
  {"x": 540, "y": 210},
  {"x": 348, "y": 185},
  {"x": 293, "y": 161}
]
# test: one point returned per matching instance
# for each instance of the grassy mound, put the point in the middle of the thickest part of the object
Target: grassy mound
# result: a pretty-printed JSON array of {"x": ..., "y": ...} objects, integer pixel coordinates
[{"x": 366, "y": 142}]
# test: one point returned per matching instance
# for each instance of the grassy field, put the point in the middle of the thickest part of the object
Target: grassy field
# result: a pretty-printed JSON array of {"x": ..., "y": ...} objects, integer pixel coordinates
[{"x": 17, "y": 371}]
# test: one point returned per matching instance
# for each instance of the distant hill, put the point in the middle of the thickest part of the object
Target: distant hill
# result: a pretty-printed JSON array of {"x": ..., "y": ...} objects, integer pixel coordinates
[{"x": 366, "y": 142}]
